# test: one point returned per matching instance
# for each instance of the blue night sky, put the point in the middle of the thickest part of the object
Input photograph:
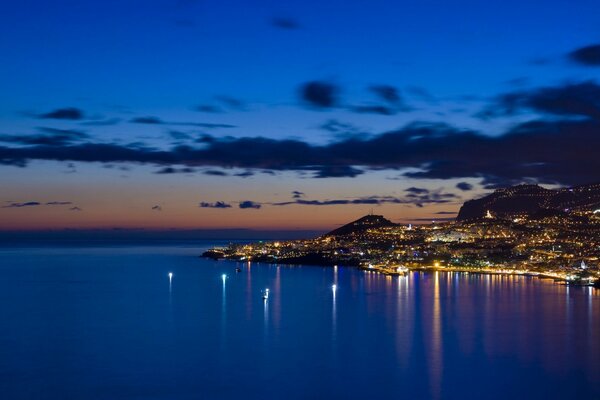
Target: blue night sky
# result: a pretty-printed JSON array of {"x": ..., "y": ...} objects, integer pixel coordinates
[{"x": 288, "y": 115}]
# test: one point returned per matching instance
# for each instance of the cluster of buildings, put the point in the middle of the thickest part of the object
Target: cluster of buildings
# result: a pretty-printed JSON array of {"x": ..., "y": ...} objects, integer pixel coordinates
[{"x": 563, "y": 246}]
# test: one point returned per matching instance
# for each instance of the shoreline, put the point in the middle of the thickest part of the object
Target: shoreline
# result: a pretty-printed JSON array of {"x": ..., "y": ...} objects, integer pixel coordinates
[{"x": 390, "y": 272}]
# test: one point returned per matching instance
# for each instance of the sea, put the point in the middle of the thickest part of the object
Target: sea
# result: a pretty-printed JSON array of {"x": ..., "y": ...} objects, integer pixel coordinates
[{"x": 156, "y": 321}]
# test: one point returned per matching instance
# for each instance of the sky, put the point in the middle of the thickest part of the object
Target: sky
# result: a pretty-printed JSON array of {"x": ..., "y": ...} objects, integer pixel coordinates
[{"x": 295, "y": 115}]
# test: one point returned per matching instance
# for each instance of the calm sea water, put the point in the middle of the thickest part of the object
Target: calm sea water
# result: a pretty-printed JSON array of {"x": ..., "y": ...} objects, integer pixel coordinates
[{"x": 106, "y": 323}]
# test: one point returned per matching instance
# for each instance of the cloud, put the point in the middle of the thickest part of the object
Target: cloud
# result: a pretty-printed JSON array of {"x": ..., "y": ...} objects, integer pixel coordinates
[
  {"x": 391, "y": 98},
  {"x": 417, "y": 190},
  {"x": 75, "y": 209},
  {"x": 546, "y": 151},
  {"x": 218, "y": 204},
  {"x": 572, "y": 99},
  {"x": 157, "y": 208},
  {"x": 102, "y": 122},
  {"x": 446, "y": 213},
  {"x": 147, "y": 120},
  {"x": 464, "y": 186},
  {"x": 244, "y": 174},
  {"x": 337, "y": 171},
  {"x": 178, "y": 135},
  {"x": 13, "y": 204},
  {"x": 319, "y": 94},
  {"x": 209, "y": 108},
  {"x": 387, "y": 93},
  {"x": 231, "y": 103},
  {"x": 172, "y": 170},
  {"x": 247, "y": 204},
  {"x": 588, "y": 55},
  {"x": 69, "y": 113},
  {"x": 285, "y": 23},
  {"x": 335, "y": 126},
  {"x": 151, "y": 120},
  {"x": 20, "y": 205},
  {"x": 297, "y": 195},
  {"x": 435, "y": 197},
  {"x": 48, "y": 137},
  {"x": 373, "y": 109},
  {"x": 225, "y": 103},
  {"x": 215, "y": 172}
]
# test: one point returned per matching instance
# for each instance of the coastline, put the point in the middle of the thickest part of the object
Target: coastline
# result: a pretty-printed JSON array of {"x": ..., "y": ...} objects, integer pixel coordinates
[{"x": 395, "y": 272}]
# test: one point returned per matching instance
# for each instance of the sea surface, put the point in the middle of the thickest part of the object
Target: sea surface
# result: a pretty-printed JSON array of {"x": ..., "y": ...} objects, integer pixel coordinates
[{"x": 106, "y": 322}]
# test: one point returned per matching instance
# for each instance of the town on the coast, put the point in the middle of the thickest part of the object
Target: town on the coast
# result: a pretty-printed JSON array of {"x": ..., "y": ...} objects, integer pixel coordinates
[{"x": 525, "y": 230}]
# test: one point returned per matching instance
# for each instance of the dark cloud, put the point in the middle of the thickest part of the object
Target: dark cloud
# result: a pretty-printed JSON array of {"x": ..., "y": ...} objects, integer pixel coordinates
[
  {"x": 69, "y": 113},
  {"x": 446, "y": 213},
  {"x": 215, "y": 172},
  {"x": 244, "y": 174},
  {"x": 588, "y": 55},
  {"x": 374, "y": 109},
  {"x": 387, "y": 93},
  {"x": 464, "y": 186},
  {"x": 13, "y": 204},
  {"x": 20, "y": 205},
  {"x": 391, "y": 98},
  {"x": 320, "y": 94},
  {"x": 337, "y": 171},
  {"x": 297, "y": 195},
  {"x": 150, "y": 120},
  {"x": 147, "y": 120},
  {"x": 102, "y": 122},
  {"x": 75, "y": 209},
  {"x": 544, "y": 151},
  {"x": 48, "y": 136},
  {"x": 285, "y": 23},
  {"x": 172, "y": 170},
  {"x": 416, "y": 190},
  {"x": 218, "y": 204},
  {"x": 435, "y": 197},
  {"x": 247, "y": 204},
  {"x": 573, "y": 99},
  {"x": 178, "y": 135},
  {"x": 335, "y": 126},
  {"x": 209, "y": 108},
  {"x": 157, "y": 208}
]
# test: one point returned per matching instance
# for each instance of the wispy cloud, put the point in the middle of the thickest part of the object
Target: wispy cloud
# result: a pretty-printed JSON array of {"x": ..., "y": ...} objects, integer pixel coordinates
[{"x": 218, "y": 204}]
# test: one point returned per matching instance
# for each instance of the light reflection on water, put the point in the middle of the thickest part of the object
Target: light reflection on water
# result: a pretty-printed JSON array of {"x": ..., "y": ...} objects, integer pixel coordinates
[{"x": 95, "y": 324}]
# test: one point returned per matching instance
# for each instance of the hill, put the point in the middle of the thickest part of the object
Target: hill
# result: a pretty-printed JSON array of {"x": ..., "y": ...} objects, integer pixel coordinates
[
  {"x": 531, "y": 199},
  {"x": 362, "y": 224}
]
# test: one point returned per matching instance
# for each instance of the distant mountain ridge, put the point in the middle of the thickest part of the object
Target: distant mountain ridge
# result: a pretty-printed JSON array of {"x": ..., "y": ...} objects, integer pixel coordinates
[{"x": 531, "y": 199}]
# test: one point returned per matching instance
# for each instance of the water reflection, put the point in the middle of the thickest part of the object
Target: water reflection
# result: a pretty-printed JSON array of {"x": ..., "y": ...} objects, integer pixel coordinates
[
  {"x": 334, "y": 288},
  {"x": 89, "y": 333},
  {"x": 435, "y": 369},
  {"x": 277, "y": 299},
  {"x": 265, "y": 301},
  {"x": 249, "y": 293}
]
